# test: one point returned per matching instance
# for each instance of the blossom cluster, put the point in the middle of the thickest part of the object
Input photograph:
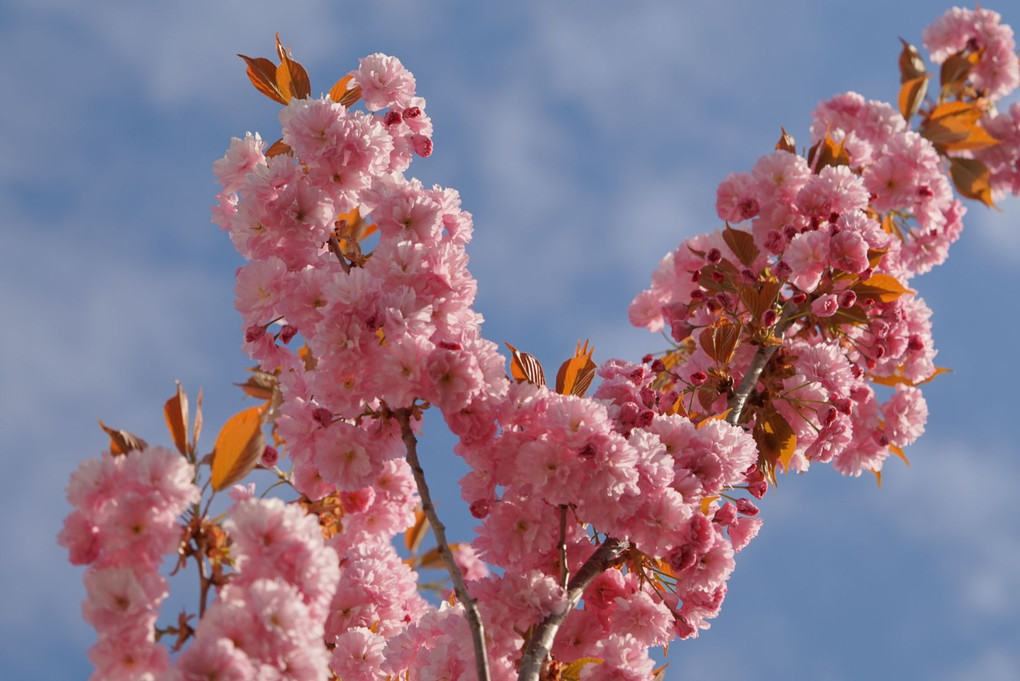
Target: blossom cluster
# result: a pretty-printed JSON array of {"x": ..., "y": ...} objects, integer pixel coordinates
[
  {"x": 124, "y": 522},
  {"x": 796, "y": 340}
]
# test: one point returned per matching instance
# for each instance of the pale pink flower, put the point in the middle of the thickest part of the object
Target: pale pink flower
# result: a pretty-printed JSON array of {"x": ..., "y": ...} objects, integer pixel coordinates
[
  {"x": 825, "y": 305},
  {"x": 808, "y": 256},
  {"x": 241, "y": 158},
  {"x": 384, "y": 82},
  {"x": 905, "y": 414}
]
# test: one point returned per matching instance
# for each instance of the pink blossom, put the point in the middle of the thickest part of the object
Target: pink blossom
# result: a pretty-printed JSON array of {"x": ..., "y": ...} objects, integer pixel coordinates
[
  {"x": 384, "y": 82},
  {"x": 905, "y": 414},
  {"x": 241, "y": 158},
  {"x": 825, "y": 305},
  {"x": 997, "y": 72},
  {"x": 808, "y": 256}
]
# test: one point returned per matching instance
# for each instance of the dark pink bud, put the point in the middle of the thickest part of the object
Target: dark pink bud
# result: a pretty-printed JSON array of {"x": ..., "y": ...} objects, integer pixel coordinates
[
  {"x": 714, "y": 256},
  {"x": 393, "y": 117},
  {"x": 769, "y": 317},
  {"x": 718, "y": 277},
  {"x": 323, "y": 416},
  {"x": 847, "y": 299},
  {"x": 480, "y": 508},
  {"x": 799, "y": 298},
  {"x": 757, "y": 489},
  {"x": 658, "y": 365},
  {"x": 450, "y": 345},
  {"x": 745, "y": 507},
  {"x": 287, "y": 333},
  {"x": 649, "y": 359},
  {"x": 697, "y": 294},
  {"x": 269, "y": 457},
  {"x": 915, "y": 343},
  {"x": 422, "y": 145},
  {"x": 699, "y": 377},
  {"x": 587, "y": 453},
  {"x": 774, "y": 242},
  {"x": 726, "y": 514},
  {"x": 254, "y": 332},
  {"x": 412, "y": 112},
  {"x": 782, "y": 270}
]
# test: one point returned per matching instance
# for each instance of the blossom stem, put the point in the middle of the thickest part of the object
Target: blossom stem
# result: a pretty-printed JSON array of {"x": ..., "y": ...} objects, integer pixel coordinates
[
  {"x": 474, "y": 618},
  {"x": 606, "y": 556}
]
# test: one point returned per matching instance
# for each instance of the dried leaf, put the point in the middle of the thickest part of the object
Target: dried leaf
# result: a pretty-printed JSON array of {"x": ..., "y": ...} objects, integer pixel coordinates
[
  {"x": 897, "y": 378},
  {"x": 175, "y": 410},
  {"x": 262, "y": 74},
  {"x": 414, "y": 534},
  {"x": 575, "y": 375},
  {"x": 122, "y": 442},
  {"x": 238, "y": 447},
  {"x": 524, "y": 367},
  {"x": 972, "y": 179},
  {"x": 742, "y": 245},
  {"x": 898, "y": 451}
]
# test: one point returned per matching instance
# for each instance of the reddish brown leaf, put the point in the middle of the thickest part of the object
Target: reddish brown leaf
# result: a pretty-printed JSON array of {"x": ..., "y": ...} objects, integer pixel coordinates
[
  {"x": 122, "y": 442},
  {"x": 720, "y": 341},
  {"x": 786, "y": 142},
  {"x": 342, "y": 95},
  {"x": 261, "y": 385},
  {"x": 291, "y": 77},
  {"x": 912, "y": 94},
  {"x": 175, "y": 410},
  {"x": 262, "y": 74},
  {"x": 279, "y": 147},
  {"x": 742, "y": 245},
  {"x": 972, "y": 179},
  {"x": 826, "y": 152},
  {"x": 238, "y": 447},
  {"x": 956, "y": 68},
  {"x": 198, "y": 419},
  {"x": 776, "y": 440},
  {"x": 883, "y": 288},
  {"x": 911, "y": 63},
  {"x": 954, "y": 126},
  {"x": 524, "y": 367},
  {"x": 575, "y": 375}
]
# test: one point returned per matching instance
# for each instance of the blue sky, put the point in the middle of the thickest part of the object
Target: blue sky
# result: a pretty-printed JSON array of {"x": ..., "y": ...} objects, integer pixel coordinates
[{"x": 587, "y": 140}]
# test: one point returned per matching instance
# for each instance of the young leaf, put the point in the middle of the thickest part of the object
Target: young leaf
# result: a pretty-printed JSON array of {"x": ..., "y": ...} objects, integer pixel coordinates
[
  {"x": 776, "y": 440},
  {"x": 262, "y": 74},
  {"x": 972, "y": 179},
  {"x": 786, "y": 142},
  {"x": 122, "y": 442},
  {"x": 198, "y": 419},
  {"x": 827, "y": 153},
  {"x": 954, "y": 126},
  {"x": 340, "y": 93},
  {"x": 720, "y": 341},
  {"x": 881, "y": 287},
  {"x": 898, "y": 451},
  {"x": 291, "y": 77},
  {"x": 175, "y": 410},
  {"x": 524, "y": 367},
  {"x": 911, "y": 63},
  {"x": 572, "y": 672},
  {"x": 575, "y": 375},
  {"x": 742, "y": 245},
  {"x": 278, "y": 147},
  {"x": 238, "y": 447},
  {"x": 912, "y": 94},
  {"x": 417, "y": 531},
  {"x": 261, "y": 385}
]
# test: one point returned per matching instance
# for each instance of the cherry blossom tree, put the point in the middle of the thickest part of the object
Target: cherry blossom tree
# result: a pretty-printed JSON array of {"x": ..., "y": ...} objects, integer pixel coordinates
[{"x": 609, "y": 522}]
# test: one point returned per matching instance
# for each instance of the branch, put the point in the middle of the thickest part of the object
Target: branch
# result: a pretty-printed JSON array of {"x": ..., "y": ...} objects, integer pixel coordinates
[
  {"x": 761, "y": 359},
  {"x": 605, "y": 557},
  {"x": 443, "y": 547}
]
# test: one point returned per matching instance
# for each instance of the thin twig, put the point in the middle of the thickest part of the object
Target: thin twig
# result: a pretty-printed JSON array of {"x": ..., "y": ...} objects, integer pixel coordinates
[
  {"x": 758, "y": 363},
  {"x": 564, "y": 568},
  {"x": 605, "y": 557},
  {"x": 474, "y": 619},
  {"x": 334, "y": 248}
]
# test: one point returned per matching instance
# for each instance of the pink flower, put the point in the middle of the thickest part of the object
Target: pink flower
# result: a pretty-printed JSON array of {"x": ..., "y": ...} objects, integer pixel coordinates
[
  {"x": 905, "y": 414},
  {"x": 825, "y": 305},
  {"x": 384, "y": 82},
  {"x": 997, "y": 72},
  {"x": 808, "y": 256},
  {"x": 241, "y": 158}
]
